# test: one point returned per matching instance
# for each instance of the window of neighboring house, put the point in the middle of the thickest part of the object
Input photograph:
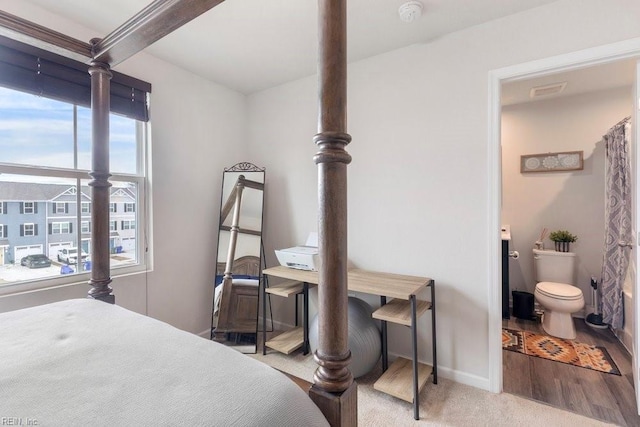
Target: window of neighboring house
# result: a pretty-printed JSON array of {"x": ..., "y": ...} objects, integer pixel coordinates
[
  {"x": 113, "y": 225},
  {"x": 61, "y": 228},
  {"x": 129, "y": 207},
  {"x": 44, "y": 97},
  {"x": 29, "y": 208},
  {"x": 60, "y": 208},
  {"x": 128, "y": 225},
  {"x": 3, "y": 208},
  {"x": 29, "y": 229},
  {"x": 3, "y": 231},
  {"x": 113, "y": 208}
]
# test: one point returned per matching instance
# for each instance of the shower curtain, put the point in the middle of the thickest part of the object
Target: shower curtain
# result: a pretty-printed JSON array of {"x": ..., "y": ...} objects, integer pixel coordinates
[{"x": 618, "y": 233}]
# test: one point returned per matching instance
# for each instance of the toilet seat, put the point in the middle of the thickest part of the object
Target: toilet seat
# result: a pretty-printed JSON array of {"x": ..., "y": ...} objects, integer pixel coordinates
[{"x": 561, "y": 291}]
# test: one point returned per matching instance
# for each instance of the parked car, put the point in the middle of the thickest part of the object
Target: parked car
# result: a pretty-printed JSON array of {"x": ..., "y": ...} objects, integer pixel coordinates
[
  {"x": 36, "y": 261},
  {"x": 70, "y": 255}
]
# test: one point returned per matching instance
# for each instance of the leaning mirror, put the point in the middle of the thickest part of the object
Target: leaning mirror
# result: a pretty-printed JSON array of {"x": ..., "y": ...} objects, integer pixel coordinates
[{"x": 239, "y": 263}]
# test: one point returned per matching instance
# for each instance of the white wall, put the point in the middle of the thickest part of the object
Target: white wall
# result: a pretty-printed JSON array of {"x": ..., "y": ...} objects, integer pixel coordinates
[
  {"x": 418, "y": 183},
  {"x": 571, "y": 201},
  {"x": 197, "y": 130}
]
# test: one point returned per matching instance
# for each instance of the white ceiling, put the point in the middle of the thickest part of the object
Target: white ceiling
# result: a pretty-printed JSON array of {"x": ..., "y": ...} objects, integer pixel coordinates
[
  {"x": 591, "y": 79},
  {"x": 250, "y": 45}
]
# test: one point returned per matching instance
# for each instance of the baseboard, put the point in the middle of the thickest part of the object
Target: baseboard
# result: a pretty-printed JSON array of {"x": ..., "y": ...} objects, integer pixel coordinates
[
  {"x": 278, "y": 326},
  {"x": 625, "y": 338}
]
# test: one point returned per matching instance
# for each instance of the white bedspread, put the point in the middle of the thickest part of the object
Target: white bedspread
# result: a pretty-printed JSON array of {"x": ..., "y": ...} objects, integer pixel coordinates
[{"x": 84, "y": 362}]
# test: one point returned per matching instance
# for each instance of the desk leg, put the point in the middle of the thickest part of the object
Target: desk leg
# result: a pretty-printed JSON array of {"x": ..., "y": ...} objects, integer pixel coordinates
[
  {"x": 264, "y": 316},
  {"x": 305, "y": 320},
  {"x": 383, "y": 338},
  {"x": 414, "y": 348},
  {"x": 433, "y": 331}
]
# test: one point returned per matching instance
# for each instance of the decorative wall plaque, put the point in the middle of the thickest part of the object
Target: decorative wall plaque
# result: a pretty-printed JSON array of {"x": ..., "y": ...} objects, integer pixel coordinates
[{"x": 552, "y": 162}]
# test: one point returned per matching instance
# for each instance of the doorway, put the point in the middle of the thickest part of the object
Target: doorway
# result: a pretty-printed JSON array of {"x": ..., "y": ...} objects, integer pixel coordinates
[{"x": 609, "y": 54}]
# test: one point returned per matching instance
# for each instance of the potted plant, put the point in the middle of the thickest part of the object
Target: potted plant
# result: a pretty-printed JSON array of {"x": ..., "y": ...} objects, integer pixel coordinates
[{"x": 562, "y": 239}]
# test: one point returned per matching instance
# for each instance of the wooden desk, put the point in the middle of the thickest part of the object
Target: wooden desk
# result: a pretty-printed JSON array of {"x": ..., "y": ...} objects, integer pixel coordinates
[{"x": 404, "y": 309}]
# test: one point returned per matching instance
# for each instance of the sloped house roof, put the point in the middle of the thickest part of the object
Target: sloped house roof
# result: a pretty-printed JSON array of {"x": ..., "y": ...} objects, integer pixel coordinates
[{"x": 41, "y": 192}]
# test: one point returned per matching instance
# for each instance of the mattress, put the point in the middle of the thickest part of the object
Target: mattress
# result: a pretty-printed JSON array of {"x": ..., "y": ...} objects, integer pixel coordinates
[{"x": 86, "y": 362}]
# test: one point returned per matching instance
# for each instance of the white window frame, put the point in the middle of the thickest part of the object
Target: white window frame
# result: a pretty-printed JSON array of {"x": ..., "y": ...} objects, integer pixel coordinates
[
  {"x": 60, "y": 207},
  {"x": 113, "y": 225},
  {"x": 128, "y": 224},
  {"x": 112, "y": 207},
  {"x": 2, "y": 236},
  {"x": 2, "y": 212},
  {"x": 85, "y": 227},
  {"x": 143, "y": 255},
  {"x": 31, "y": 208},
  {"x": 59, "y": 227},
  {"x": 85, "y": 208},
  {"x": 129, "y": 207},
  {"x": 32, "y": 227}
]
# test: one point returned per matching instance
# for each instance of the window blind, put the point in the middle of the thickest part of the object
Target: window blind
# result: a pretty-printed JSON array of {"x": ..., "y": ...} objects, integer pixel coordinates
[{"x": 39, "y": 72}]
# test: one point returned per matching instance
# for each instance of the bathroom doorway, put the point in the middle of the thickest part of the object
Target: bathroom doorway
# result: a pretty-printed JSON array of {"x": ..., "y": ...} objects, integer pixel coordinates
[{"x": 531, "y": 202}]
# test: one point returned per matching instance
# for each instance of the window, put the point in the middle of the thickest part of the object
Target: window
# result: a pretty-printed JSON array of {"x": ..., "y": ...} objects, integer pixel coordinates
[
  {"x": 28, "y": 208},
  {"x": 3, "y": 208},
  {"x": 113, "y": 208},
  {"x": 3, "y": 231},
  {"x": 28, "y": 229},
  {"x": 128, "y": 225},
  {"x": 113, "y": 225},
  {"x": 61, "y": 228},
  {"x": 45, "y": 157},
  {"x": 129, "y": 207}
]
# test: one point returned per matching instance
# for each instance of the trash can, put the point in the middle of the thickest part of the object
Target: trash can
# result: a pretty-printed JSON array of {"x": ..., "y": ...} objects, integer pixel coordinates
[
  {"x": 65, "y": 269},
  {"x": 523, "y": 303},
  {"x": 118, "y": 249}
]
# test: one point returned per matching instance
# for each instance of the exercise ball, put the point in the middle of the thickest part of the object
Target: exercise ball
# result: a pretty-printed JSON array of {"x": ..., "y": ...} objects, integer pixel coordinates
[{"x": 364, "y": 337}]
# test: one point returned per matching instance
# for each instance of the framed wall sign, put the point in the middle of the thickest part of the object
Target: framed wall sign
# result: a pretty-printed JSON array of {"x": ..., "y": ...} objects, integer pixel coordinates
[{"x": 552, "y": 162}]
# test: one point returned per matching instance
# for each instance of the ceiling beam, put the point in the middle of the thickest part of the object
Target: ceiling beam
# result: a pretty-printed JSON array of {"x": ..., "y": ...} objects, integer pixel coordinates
[
  {"x": 36, "y": 35},
  {"x": 155, "y": 21}
]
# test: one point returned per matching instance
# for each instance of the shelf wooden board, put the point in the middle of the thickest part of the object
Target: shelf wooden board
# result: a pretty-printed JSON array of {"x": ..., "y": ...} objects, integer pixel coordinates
[
  {"x": 386, "y": 284},
  {"x": 397, "y": 381},
  {"x": 369, "y": 282},
  {"x": 287, "y": 342},
  {"x": 286, "y": 288},
  {"x": 399, "y": 311}
]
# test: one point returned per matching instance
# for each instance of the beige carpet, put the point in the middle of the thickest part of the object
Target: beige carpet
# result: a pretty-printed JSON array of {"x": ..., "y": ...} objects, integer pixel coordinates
[{"x": 445, "y": 404}]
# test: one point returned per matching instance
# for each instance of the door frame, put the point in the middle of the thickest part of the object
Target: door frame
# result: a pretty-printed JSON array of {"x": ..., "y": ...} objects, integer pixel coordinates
[{"x": 624, "y": 50}]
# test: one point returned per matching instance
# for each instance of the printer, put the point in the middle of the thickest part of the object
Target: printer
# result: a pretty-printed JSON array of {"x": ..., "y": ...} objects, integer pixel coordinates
[{"x": 303, "y": 257}]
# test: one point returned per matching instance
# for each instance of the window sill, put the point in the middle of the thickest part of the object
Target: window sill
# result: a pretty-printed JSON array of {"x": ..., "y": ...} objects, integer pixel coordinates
[{"x": 65, "y": 280}]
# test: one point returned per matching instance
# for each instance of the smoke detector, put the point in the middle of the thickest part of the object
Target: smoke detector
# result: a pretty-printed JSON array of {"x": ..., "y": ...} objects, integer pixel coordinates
[{"x": 410, "y": 11}]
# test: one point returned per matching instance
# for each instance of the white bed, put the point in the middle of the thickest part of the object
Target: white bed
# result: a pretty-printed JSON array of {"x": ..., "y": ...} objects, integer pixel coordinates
[{"x": 85, "y": 362}]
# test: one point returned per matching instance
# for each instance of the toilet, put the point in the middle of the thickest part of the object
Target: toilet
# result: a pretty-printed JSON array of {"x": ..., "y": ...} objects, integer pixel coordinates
[{"x": 555, "y": 274}]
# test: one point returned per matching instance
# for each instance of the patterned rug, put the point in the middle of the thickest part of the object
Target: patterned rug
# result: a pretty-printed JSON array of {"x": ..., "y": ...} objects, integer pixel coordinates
[{"x": 559, "y": 350}]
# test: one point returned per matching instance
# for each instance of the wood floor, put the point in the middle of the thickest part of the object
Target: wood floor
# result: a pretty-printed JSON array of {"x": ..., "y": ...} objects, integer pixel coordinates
[{"x": 594, "y": 394}]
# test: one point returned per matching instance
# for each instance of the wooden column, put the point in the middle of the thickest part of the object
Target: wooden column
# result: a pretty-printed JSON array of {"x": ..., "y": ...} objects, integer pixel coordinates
[
  {"x": 334, "y": 390},
  {"x": 100, "y": 185},
  {"x": 227, "y": 280}
]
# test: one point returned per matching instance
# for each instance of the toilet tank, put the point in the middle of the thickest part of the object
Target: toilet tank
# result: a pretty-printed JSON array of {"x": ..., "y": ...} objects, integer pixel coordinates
[{"x": 552, "y": 266}]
